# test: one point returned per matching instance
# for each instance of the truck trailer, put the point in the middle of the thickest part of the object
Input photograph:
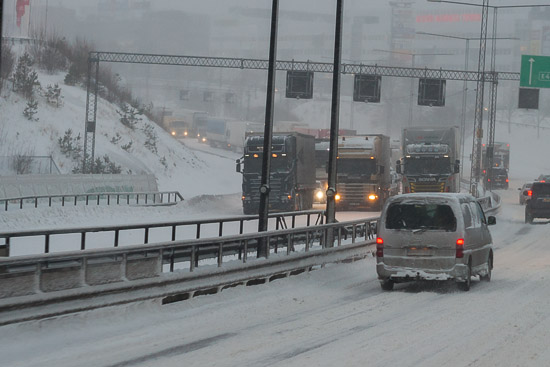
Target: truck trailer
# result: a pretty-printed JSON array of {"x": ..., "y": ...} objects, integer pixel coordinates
[
  {"x": 292, "y": 176},
  {"x": 363, "y": 172},
  {"x": 430, "y": 159}
]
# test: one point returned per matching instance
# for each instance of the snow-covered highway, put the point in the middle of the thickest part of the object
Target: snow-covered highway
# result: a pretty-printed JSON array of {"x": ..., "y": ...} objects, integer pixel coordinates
[{"x": 336, "y": 316}]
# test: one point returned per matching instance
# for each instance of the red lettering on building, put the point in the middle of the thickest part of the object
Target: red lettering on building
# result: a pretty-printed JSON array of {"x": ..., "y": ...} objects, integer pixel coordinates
[{"x": 448, "y": 18}]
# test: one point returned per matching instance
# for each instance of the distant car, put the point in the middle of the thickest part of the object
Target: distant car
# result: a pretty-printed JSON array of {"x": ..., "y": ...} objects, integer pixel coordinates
[
  {"x": 525, "y": 192},
  {"x": 539, "y": 204},
  {"x": 497, "y": 178},
  {"x": 319, "y": 195},
  {"x": 543, "y": 178},
  {"x": 433, "y": 236}
]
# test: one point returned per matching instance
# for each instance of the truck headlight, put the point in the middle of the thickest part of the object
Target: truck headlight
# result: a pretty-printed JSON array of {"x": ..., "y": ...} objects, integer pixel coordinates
[
  {"x": 372, "y": 197},
  {"x": 337, "y": 197},
  {"x": 319, "y": 195},
  {"x": 173, "y": 133}
]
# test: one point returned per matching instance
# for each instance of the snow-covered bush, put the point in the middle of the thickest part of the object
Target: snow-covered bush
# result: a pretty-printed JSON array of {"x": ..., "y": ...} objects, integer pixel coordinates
[{"x": 31, "y": 110}]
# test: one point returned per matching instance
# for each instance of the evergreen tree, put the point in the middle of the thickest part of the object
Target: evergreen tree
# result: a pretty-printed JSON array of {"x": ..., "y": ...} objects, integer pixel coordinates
[{"x": 25, "y": 78}]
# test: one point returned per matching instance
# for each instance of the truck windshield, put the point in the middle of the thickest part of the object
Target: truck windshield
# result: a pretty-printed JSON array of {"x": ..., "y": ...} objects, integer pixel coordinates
[
  {"x": 179, "y": 124},
  {"x": 352, "y": 166},
  {"x": 420, "y": 216},
  {"x": 254, "y": 164},
  {"x": 427, "y": 165}
]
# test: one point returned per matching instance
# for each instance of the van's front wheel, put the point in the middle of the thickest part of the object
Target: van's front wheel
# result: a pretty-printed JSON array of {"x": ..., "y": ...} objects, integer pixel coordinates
[{"x": 387, "y": 284}]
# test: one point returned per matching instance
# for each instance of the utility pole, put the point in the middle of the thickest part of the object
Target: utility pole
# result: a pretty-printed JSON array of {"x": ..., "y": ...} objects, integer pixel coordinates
[
  {"x": 263, "y": 246},
  {"x": 334, "y": 118}
]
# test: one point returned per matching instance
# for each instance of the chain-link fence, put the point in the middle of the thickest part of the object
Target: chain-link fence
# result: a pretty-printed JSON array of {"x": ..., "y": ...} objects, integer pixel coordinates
[{"x": 27, "y": 164}]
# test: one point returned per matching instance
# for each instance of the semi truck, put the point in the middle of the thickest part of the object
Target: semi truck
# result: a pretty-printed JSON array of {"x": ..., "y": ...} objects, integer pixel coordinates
[
  {"x": 292, "y": 175},
  {"x": 430, "y": 159},
  {"x": 363, "y": 172},
  {"x": 230, "y": 134},
  {"x": 501, "y": 156}
]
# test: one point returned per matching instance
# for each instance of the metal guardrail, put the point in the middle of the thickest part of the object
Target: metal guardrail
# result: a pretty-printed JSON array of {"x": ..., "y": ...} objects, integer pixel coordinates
[
  {"x": 147, "y": 198},
  {"x": 153, "y": 270},
  {"x": 491, "y": 203},
  {"x": 281, "y": 220}
]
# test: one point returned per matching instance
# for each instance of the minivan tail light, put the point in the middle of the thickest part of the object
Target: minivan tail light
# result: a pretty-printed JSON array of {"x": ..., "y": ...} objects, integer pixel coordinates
[
  {"x": 506, "y": 180},
  {"x": 379, "y": 247},
  {"x": 460, "y": 248}
]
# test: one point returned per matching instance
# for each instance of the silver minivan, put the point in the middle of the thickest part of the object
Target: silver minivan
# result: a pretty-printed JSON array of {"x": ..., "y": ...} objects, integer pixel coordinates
[{"x": 433, "y": 236}]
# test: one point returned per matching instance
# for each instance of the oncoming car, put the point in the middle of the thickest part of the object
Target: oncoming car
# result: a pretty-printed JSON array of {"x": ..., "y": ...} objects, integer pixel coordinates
[{"x": 441, "y": 236}]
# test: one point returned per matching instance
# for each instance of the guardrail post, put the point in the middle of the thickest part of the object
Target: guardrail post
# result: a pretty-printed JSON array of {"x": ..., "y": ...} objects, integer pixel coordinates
[
  {"x": 192, "y": 259},
  {"x": 21, "y": 203},
  {"x": 116, "y": 237},
  {"x": 83, "y": 271},
  {"x": 47, "y": 244},
  {"x": 198, "y": 235},
  {"x": 6, "y": 205},
  {"x": 83, "y": 241},
  {"x": 220, "y": 254},
  {"x": 123, "y": 266},
  {"x": 36, "y": 202},
  {"x": 146, "y": 239},
  {"x": 98, "y": 197},
  {"x": 220, "y": 230},
  {"x": 87, "y": 199},
  {"x": 75, "y": 199},
  {"x": 62, "y": 201},
  {"x": 173, "y": 233}
]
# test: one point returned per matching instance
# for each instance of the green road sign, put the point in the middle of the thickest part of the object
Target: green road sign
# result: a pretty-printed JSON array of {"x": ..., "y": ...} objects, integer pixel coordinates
[{"x": 535, "y": 71}]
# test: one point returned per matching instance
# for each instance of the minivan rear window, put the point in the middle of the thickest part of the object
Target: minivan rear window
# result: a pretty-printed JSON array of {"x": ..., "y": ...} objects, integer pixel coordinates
[{"x": 420, "y": 216}]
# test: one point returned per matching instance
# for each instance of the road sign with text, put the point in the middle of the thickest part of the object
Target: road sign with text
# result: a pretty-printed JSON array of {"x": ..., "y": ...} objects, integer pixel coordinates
[{"x": 535, "y": 71}]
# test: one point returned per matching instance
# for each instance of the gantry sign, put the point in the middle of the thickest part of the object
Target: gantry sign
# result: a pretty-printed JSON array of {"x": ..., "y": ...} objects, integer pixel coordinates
[
  {"x": 254, "y": 64},
  {"x": 535, "y": 71}
]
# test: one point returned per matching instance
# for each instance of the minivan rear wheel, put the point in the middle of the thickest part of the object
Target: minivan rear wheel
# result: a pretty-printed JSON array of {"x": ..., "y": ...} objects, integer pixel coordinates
[
  {"x": 387, "y": 284},
  {"x": 465, "y": 285},
  {"x": 487, "y": 277}
]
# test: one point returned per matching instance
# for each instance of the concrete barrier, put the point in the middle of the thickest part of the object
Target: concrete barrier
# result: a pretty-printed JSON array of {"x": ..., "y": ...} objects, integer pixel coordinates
[{"x": 36, "y": 185}]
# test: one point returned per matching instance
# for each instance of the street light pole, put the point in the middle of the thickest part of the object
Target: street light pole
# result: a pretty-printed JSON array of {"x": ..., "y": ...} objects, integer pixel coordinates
[
  {"x": 263, "y": 246},
  {"x": 334, "y": 118}
]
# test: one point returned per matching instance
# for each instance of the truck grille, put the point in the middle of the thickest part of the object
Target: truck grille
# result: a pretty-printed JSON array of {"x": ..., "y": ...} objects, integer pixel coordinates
[
  {"x": 354, "y": 193},
  {"x": 274, "y": 195},
  {"x": 428, "y": 187}
]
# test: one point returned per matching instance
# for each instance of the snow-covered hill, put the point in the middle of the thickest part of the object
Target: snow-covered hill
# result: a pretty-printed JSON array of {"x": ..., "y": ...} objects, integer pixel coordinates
[{"x": 176, "y": 166}]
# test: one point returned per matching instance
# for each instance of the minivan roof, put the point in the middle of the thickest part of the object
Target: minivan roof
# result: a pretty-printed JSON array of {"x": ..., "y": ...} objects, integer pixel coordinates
[{"x": 433, "y": 195}]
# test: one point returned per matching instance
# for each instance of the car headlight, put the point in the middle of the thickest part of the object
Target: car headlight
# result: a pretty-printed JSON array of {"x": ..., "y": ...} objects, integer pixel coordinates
[{"x": 319, "y": 194}]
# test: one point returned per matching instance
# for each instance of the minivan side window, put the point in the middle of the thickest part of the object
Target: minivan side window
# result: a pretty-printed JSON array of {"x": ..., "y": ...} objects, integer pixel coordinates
[
  {"x": 481, "y": 213},
  {"x": 476, "y": 218},
  {"x": 467, "y": 215}
]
